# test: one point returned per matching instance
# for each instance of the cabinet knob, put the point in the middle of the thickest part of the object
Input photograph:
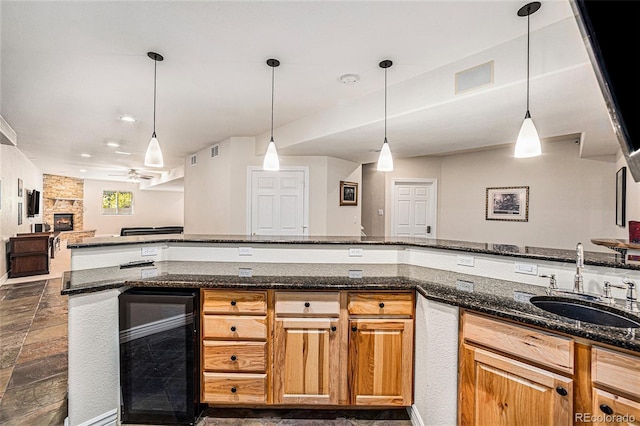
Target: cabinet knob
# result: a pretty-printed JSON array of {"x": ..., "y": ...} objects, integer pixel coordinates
[
  {"x": 562, "y": 391},
  {"x": 381, "y": 305},
  {"x": 233, "y": 358},
  {"x": 354, "y": 328},
  {"x": 234, "y": 390},
  {"x": 334, "y": 328},
  {"x": 307, "y": 304},
  {"x": 606, "y": 409},
  {"x": 233, "y": 303},
  {"x": 233, "y": 328}
]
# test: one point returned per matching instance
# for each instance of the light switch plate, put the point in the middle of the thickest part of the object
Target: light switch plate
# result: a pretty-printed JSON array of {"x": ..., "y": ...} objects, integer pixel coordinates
[
  {"x": 463, "y": 285},
  {"x": 245, "y": 251},
  {"x": 465, "y": 260},
  {"x": 526, "y": 268},
  {"x": 356, "y": 252},
  {"x": 149, "y": 251},
  {"x": 245, "y": 272},
  {"x": 355, "y": 273},
  {"x": 149, "y": 272}
]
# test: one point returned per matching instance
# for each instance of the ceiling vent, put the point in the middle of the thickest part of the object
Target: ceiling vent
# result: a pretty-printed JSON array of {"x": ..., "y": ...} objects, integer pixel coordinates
[
  {"x": 193, "y": 160},
  {"x": 474, "y": 78},
  {"x": 214, "y": 151},
  {"x": 7, "y": 135}
]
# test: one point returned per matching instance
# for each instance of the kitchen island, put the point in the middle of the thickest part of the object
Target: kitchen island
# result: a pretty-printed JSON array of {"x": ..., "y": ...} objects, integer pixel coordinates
[{"x": 448, "y": 277}]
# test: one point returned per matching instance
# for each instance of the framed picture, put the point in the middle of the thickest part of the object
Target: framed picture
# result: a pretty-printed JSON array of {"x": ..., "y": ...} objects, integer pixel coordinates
[
  {"x": 19, "y": 187},
  {"x": 508, "y": 203},
  {"x": 19, "y": 213},
  {"x": 621, "y": 196},
  {"x": 348, "y": 193}
]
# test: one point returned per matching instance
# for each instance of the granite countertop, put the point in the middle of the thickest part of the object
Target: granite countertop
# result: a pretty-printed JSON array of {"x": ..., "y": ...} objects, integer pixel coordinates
[
  {"x": 613, "y": 259},
  {"x": 490, "y": 296}
]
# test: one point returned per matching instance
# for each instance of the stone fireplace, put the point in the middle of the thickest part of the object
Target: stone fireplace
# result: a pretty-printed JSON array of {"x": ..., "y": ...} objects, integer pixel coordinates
[{"x": 63, "y": 221}]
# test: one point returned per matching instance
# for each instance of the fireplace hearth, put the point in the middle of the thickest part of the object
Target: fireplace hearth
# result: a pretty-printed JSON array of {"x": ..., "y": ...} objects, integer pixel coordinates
[{"x": 63, "y": 221}]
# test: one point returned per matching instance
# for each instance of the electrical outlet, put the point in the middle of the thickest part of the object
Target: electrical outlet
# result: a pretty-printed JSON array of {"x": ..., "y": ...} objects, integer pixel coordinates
[
  {"x": 245, "y": 272},
  {"x": 355, "y": 273},
  {"x": 526, "y": 268},
  {"x": 149, "y": 251},
  {"x": 356, "y": 252},
  {"x": 465, "y": 260},
  {"x": 464, "y": 285},
  {"x": 245, "y": 251},
  {"x": 148, "y": 273}
]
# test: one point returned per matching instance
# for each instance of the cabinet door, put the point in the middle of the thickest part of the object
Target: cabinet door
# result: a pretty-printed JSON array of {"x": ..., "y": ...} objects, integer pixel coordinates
[
  {"x": 609, "y": 409},
  {"x": 508, "y": 392},
  {"x": 381, "y": 361},
  {"x": 306, "y": 357}
]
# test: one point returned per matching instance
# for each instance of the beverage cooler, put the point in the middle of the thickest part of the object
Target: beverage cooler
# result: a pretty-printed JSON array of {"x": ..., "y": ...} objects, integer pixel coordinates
[{"x": 159, "y": 368}]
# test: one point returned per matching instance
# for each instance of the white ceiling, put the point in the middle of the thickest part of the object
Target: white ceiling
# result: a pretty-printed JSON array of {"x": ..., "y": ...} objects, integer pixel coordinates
[{"x": 69, "y": 70}]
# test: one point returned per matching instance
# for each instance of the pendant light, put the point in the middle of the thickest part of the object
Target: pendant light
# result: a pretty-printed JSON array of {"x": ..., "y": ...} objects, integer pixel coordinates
[
  {"x": 271, "y": 160},
  {"x": 153, "y": 157},
  {"x": 385, "y": 160},
  {"x": 528, "y": 142}
]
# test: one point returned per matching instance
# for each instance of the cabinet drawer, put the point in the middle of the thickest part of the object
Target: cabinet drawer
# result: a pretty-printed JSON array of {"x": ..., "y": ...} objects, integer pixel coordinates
[
  {"x": 308, "y": 303},
  {"x": 381, "y": 304},
  {"x": 616, "y": 370},
  {"x": 234, "y": 356},
  {"x": 533, "y": 345},
  {"x": 234, "y": 302},
  {"x": 230, "y": 327},
  {"x": 234, "y": 388}
]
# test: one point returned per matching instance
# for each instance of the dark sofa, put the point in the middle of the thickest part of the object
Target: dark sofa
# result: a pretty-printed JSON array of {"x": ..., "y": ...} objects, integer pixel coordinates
[{"x": 142, "y": 230}]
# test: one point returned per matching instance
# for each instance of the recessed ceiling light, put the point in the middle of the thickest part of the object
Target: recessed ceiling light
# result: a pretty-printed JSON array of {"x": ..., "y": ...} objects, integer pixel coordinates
[
  {"x": 128, "y": 118},
  {"x": 85, "y": 155},
  {"x": 349, "y": 79},
  {"x": 83, "y": 170},
  {"x": 123, "y": 153},
  {"x": 113, "y": 144}
]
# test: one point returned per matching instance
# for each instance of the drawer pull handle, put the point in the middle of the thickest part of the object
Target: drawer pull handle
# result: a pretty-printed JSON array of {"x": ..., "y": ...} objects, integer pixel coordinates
[
  {"x": 233, "y": 328},
  {"x": 233, "y": 303},
  {"x": 234, "y": 390},
  {"x": 307, "y": 304},
  {"x": 334, "y": 328},
  {"x": 562, "y": 391},
  {"x": 233, "y": 358},
  {"x": 381, "y": 305},
  {"x": 606, "y": 409},
  {"x": 354, "y": 328}
]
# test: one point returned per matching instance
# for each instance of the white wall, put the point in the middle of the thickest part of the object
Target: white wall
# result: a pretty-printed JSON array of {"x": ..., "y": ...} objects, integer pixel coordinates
[
  {"x": 150, "y": 208},
  {"x": 14, "y": 165},
  {"x": 216, "y": 190}
]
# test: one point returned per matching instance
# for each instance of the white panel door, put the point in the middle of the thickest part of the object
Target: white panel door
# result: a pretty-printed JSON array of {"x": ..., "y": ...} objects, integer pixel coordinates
[
  {"x": 414, "y": 209},
  {"x": 277, "y": 203}
]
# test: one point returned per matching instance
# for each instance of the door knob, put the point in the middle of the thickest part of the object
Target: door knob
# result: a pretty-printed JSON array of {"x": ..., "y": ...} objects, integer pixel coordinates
[
  {"x": 381, "y": 305},
  {"x": 307, "y": 304},
  {"x": 562, "y": 391},
  {"x": 233, "y": 303},
  {"x": 233, "y": 358},
  {"x": 354, "y": 328},
  {"x": 234, "y": 390},
  {"x": 606, "y": 409},
  {"x": 334, "y": 328},
  {"x": 233, "y": 328}
]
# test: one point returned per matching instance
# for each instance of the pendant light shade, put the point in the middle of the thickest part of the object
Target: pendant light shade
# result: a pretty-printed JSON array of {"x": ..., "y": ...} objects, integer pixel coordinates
[
  {"x": 528, "y": 142},
  {"x": 385, "y": 160},
  {"x": 153, "y": 156},
  {"x": 271, "y": 161}
]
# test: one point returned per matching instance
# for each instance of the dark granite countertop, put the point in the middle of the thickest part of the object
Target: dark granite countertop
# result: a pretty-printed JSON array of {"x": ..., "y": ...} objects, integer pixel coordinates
[
  {"x": 489, "y": 296},
  {"x": 612, "y": 260}
]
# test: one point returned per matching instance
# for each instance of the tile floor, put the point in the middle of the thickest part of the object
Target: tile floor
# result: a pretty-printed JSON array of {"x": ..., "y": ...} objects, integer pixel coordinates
[{"x": 33, "y": 366}]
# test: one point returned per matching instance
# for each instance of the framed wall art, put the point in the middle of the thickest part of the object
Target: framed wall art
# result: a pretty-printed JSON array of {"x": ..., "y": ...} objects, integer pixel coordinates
[
  {"x": 510, "y": 203},
  {"x": 621, "y": 196},
  {"x": 19, "y": 187},
  {"x": 348, "y": 193},
  {"x": 19, "y": 213}
]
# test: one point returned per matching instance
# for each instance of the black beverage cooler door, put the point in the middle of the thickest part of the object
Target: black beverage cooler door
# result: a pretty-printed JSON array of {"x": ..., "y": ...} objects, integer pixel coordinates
[{"x": 159, "y": 378}]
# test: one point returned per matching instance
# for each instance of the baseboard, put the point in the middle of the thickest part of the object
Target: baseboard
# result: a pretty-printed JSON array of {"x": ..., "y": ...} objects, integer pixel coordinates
[
  {"x": 4, "y": 278},
  {"x": 414, "y": 416},
  {"x": 110, "y": 418}
]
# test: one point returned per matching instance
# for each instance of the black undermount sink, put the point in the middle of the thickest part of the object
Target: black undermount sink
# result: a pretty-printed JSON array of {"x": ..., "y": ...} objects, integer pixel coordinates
[{"x": 586, "y": 311}]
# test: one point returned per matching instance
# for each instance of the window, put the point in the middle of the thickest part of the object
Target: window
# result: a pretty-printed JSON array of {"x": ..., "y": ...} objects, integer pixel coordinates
[{"x": 117, "y": 202}]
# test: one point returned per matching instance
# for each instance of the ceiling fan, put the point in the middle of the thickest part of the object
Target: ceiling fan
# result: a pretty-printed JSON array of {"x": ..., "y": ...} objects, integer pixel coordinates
[{"x": 134, "y": 175}]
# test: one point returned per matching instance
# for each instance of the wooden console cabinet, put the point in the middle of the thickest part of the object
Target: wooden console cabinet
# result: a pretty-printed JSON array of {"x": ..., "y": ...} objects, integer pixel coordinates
[{"x": 29, "y": 254}]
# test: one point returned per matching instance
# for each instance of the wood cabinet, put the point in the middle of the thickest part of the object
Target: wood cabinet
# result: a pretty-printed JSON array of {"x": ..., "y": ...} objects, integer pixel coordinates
[
  {"x": 511, "y": 374},
  {"x": 29, "y": 254},
  {"x": 307, "y": 348},
  {"x": 234, "y": 347}
]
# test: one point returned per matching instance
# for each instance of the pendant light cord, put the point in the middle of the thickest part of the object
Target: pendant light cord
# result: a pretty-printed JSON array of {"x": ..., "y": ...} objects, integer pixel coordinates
[
  {"x": 155, "y": 67},
  {"x": 272, "y": 89},
  {"x": 385, "y": 104},
  {"x": 528, "y": 35}
]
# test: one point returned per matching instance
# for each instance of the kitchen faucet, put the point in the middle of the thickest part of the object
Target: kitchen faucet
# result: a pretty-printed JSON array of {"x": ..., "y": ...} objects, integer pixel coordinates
[{"x": 577, "y": 279}]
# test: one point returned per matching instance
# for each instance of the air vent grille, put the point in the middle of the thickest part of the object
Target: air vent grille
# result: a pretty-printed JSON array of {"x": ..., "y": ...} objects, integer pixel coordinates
[
  {"x": 214, "y": 151},
  {"x": 474, "y": 78},
  {"x": 193, "y": 160}
]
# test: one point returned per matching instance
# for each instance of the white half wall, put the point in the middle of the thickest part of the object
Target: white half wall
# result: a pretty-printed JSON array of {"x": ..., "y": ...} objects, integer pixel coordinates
[{"x": 150, "y": 208}]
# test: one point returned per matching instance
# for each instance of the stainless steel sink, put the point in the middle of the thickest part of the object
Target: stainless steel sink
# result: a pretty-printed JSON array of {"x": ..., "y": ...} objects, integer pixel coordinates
[{"x": 586, "y": 311}]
